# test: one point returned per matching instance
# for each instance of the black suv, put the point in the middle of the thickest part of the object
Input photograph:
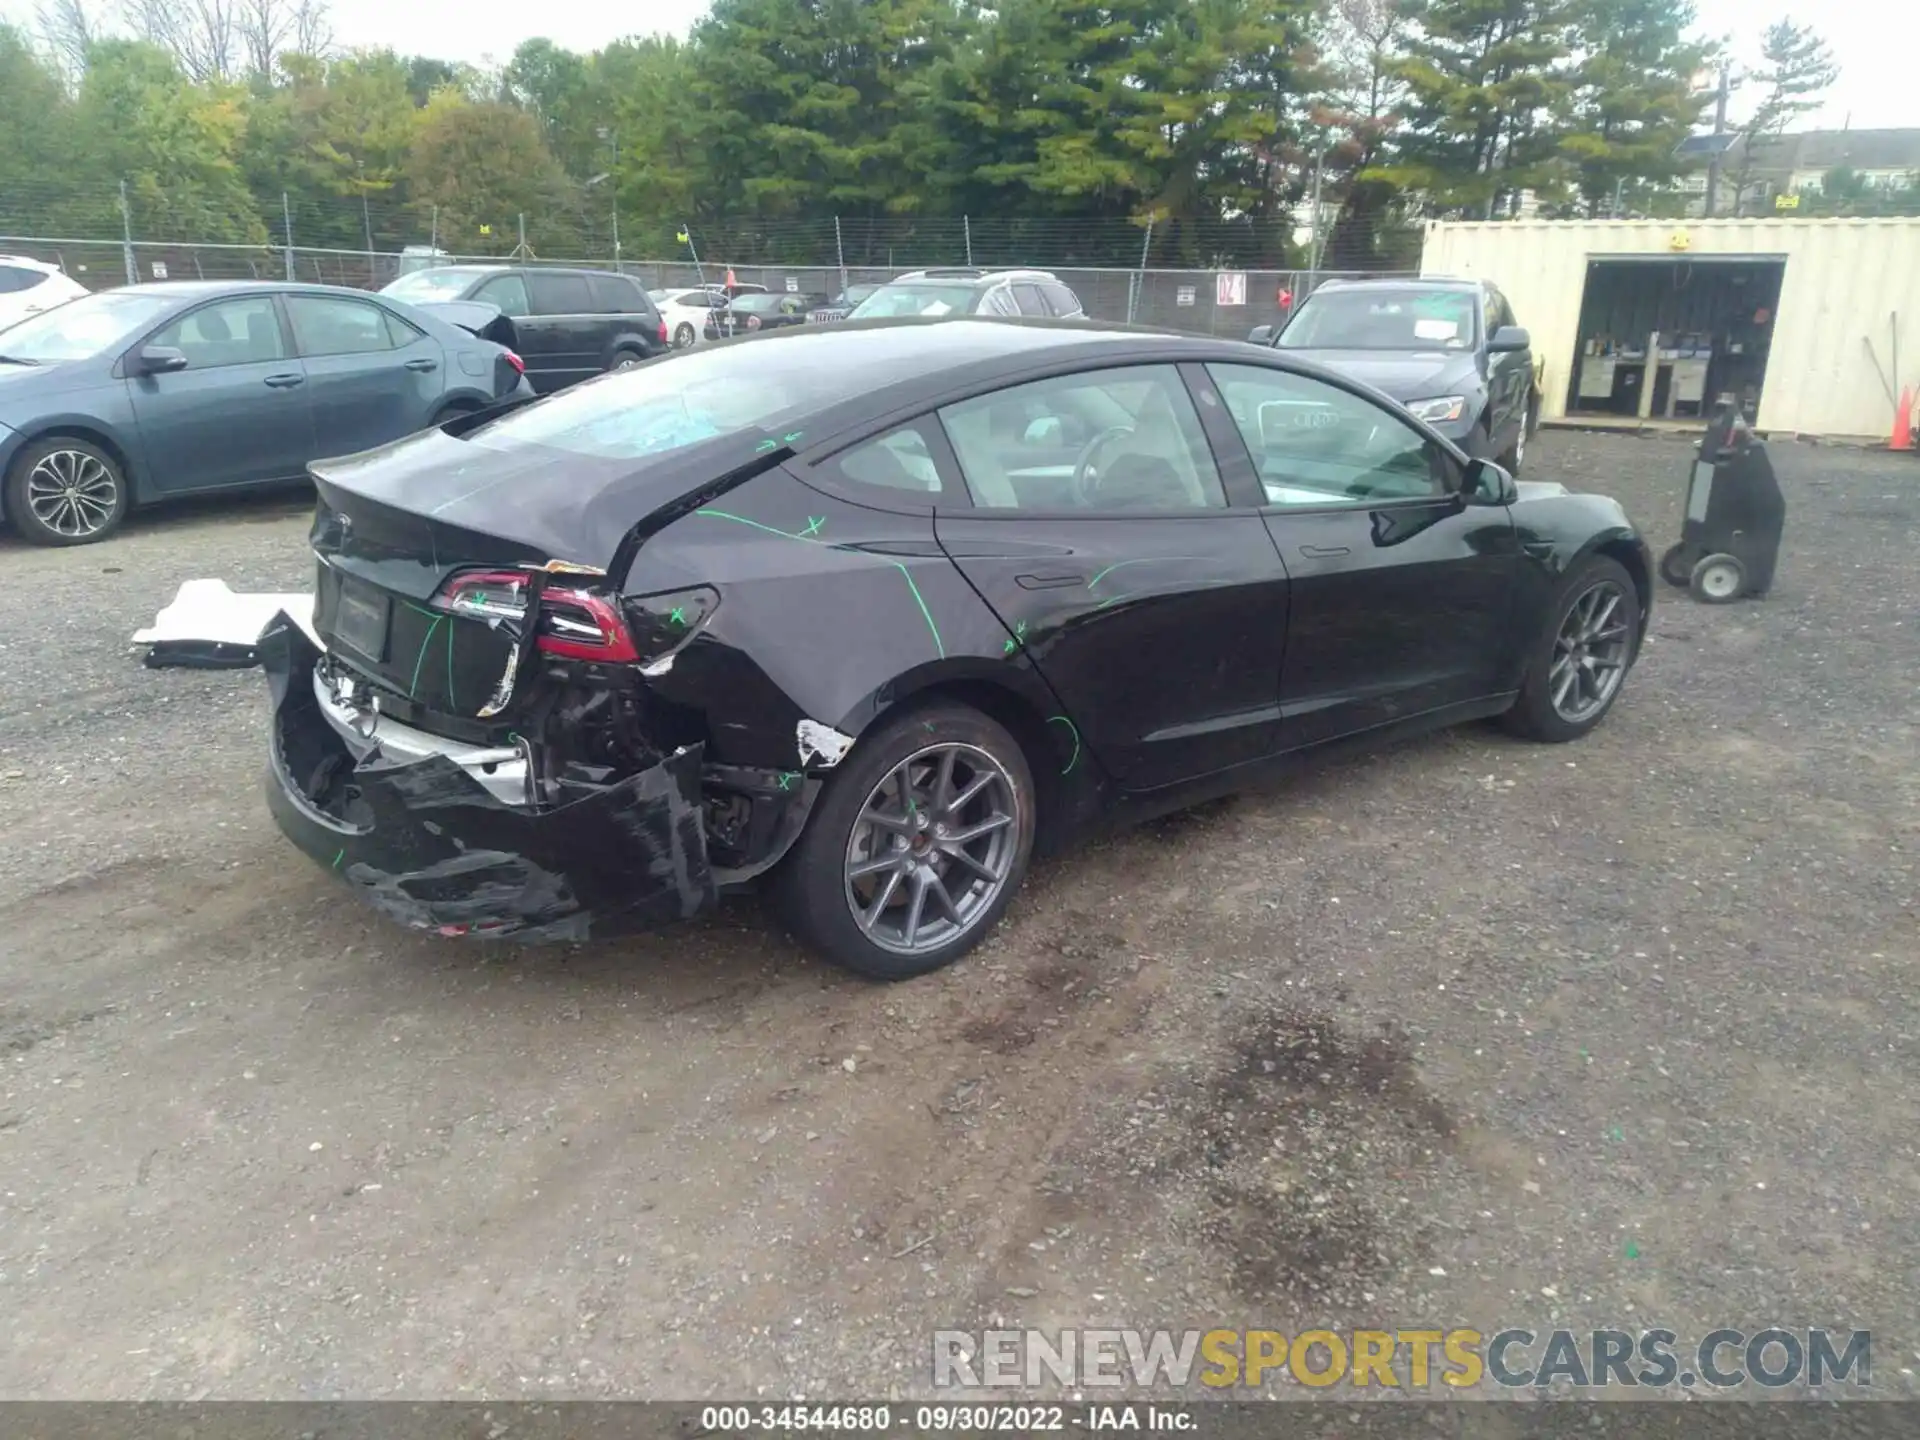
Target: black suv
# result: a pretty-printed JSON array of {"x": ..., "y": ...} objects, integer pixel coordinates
[
  {"x": 568, "y": 325},
  {"x": 1448, "y": 350},
  {"x": 971, "y": 292}
]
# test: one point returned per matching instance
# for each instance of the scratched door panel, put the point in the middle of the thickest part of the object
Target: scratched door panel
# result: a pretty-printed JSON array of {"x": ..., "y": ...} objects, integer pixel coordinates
[{"x": 1162, "y": 636}]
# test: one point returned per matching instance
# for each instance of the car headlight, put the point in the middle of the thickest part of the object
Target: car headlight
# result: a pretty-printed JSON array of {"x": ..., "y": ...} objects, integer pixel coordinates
[{"x": 1438, "y": 410}]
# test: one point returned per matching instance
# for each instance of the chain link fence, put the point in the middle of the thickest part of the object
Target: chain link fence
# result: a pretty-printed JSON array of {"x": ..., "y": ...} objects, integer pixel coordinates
[{"x": 1223, "y": 303}]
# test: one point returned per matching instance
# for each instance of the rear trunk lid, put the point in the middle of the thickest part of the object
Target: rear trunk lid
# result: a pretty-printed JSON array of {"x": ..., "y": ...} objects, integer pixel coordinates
[{"x": 429, "y": 549}]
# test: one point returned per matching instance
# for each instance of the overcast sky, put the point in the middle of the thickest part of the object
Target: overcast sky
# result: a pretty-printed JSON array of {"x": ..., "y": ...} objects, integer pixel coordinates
[{"x": 1872, "y": 39}]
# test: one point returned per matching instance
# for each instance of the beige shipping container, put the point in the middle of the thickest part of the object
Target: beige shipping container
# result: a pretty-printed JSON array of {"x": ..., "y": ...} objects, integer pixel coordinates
[{"x": 1844, "y": 281}]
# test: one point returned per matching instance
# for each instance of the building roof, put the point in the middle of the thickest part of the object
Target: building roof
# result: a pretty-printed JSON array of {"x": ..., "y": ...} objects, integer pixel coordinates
[{"x": 1824, "y": 150}]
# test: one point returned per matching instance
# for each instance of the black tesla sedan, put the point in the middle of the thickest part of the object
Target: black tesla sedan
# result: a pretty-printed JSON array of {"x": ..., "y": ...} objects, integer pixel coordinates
[{"x": 874, "y": 611}]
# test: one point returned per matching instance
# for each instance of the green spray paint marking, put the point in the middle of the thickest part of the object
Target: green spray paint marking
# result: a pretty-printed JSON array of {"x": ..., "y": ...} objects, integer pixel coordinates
[
  {"x": 814, "y": 522},
  {"x": 1145, "y": 560},
  {"x": 809, "y": 539},
  {"x": 787, "y": 777},
  {"x": 791, "y": 437},
  {"x": 1072, "y": 730},
  {"x": 766, "y": 445},
  {"x": 676, "y": 618},
  {"x": 338, "y": 858},
  {"x": 1018, "y": 638},
  {"x": 417, "y": 664},
  {"x": 451, "y": 705}
]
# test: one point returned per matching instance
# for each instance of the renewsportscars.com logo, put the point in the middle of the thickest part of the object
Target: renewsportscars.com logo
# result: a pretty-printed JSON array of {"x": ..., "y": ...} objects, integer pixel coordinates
[{"x": 1412, "y": 1360}]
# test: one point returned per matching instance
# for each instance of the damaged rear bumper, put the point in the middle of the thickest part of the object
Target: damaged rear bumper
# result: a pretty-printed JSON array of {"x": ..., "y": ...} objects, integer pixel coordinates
[{"x": 428, "y": 845}]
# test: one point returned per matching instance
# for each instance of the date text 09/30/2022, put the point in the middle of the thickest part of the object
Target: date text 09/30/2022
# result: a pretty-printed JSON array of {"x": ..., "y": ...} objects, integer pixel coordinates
[{"x": 945, "y": 1419}]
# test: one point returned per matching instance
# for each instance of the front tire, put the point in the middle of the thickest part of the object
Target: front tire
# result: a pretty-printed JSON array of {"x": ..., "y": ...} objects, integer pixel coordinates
[
  {"x": 625, "y": 359},
  {"x": 916, "y": 846},
  {"x": 66, "y": 491},
  {"x": 1580, "y": 662}
]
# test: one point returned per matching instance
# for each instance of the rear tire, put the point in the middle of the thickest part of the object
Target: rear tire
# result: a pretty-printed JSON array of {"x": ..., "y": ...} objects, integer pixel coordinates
[
  {"x": 683, "y": 335},
  {"x": 874, "y": 848},
  {"x": 66, "y": 491},
  {"x": 1597, "y": 599}
]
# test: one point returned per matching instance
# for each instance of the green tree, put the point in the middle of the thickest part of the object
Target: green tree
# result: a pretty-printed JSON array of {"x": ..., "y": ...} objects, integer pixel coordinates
[
  {"x": 1798, "y": 69},
  {"x": 45, "y": 185},
  {"x": 1632, "y": 101},
  {"x": 1487, "y": 80},
  {"x": 557, "y": 87},
  {"x": 481, "y": 166},
  {"x": 660, "y": 170},
  {"x": 176, "y": 145}
]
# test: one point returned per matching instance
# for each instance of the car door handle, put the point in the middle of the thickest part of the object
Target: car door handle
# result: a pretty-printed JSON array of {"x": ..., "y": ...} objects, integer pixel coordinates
[
  {"x": 1048, "y": 582},
  {"x": 285, "y": 382},
  {"x": 1324, "y": 552},
  {"x": 423, "y": 365}
]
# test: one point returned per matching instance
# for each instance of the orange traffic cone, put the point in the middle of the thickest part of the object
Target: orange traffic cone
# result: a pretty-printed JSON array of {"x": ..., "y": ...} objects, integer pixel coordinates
[
  {"x": 1903, "y": 421},
  {"x": 731, "y": 282}
]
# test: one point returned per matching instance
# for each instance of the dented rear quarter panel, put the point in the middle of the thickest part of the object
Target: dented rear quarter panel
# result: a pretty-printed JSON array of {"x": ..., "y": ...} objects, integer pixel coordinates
[{"x": 830, "y": 611}]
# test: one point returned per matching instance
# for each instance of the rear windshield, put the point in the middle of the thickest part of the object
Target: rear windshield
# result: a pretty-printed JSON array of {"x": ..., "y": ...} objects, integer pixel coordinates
[
  {"x": 893, "y": 300},
  {"x": 438, "y": 284},
  {"x": 694, "y": 396},
  {"x": 757, "y": 304},
  {"x": 1377, "y": 318}
]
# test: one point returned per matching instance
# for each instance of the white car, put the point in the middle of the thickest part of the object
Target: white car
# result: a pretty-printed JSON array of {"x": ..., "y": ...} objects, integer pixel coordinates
[
  {"x": 686, "y": 310},
  {"x": 29, "y": 286}
]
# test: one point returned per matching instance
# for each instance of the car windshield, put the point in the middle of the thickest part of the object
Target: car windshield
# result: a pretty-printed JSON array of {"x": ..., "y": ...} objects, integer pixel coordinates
[
  {"x": 82, "y": 327},
  {"x": 895, "y": 300},
  {"x": 439, "y": 284},
  {"x": 1383, "y": 319},
  {"x": 697, "y": 396}
]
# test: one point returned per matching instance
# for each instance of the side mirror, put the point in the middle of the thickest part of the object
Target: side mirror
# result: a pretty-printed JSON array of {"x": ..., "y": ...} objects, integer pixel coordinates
[
  {"x": 1485, "y": 483},
  {"x": 1509, "y": 338},
  {"x": 1260, "y": 335},
  {"x": 158, "y": 360}
]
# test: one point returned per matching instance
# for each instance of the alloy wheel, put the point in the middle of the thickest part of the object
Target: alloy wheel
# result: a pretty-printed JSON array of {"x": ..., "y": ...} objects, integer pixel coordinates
[
  {"x": 931, "y": 848},
  {"x": 72, "y": 493},
  {"x": 1590, "y": 653}
]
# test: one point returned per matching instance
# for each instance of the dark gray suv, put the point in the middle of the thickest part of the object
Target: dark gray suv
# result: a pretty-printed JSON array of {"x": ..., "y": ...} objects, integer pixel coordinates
[
  {"x": 568, "y": 325},
  {"x": 1448, "y": 350}
]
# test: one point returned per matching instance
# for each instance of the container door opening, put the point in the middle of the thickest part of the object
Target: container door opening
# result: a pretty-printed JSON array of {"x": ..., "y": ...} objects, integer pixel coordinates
[{"x": 1669, "y": 339}]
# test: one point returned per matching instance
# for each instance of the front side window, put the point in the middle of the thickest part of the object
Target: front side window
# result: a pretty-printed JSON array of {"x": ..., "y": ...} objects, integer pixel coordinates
[
  {"x": 508, "y": 293},
  {"x": 1124, "y": 439},
  {"x": 323, "y": 325},
  {"x": 1063, "y": 300},
  {"x": 232, "y": 332},
  {"x": 1316, "y": 444}
]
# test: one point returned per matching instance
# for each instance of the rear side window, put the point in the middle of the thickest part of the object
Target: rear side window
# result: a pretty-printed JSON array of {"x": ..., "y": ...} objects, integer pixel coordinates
[
  {"x": 560, "y": 293},
  {"x": 325, "y": 326},
  {"x": 899, "y": 460},
  {"x": 617, "y": 295},
  {"x": 1027, "y": 297},
  {"x": 1063, "y": 300},
  {"x": 15, "y": 278}
]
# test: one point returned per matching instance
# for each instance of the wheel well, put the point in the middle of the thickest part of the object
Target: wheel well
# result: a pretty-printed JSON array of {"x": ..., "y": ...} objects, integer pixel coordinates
[
  {"x": 454, "y": 408},
  {"x": 1628, "y": 554},
  {"x": 92, "y": 437},
  {"x": 1038, "y": 743}
]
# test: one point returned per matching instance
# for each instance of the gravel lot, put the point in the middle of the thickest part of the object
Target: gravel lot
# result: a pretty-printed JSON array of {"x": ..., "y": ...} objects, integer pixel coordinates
[{"x": 1466, "y": 1032}]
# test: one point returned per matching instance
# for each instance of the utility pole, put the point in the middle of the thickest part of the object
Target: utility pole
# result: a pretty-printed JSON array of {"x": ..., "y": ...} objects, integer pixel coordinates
[
  {"x": 1313, "y": 222},
  {"x": 1719, "y": 128},
  {"x": 286, "y": 214},
  {"x": 126, "y": 236},
  {"x": 840, "y": 254}
]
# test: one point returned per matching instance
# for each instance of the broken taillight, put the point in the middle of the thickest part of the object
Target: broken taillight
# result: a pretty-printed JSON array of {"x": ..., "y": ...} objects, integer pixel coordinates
[{"x": 574, "y": 624}]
